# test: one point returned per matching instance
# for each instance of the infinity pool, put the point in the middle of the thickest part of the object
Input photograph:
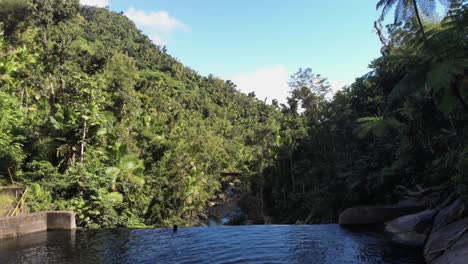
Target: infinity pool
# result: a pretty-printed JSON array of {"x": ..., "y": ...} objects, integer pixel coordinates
[{"x": 222, "y": 244}]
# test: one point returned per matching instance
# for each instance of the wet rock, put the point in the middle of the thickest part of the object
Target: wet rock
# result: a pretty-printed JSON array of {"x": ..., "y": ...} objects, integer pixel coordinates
[
  {"x": 409, "y": 239},
  {"x": 449, "y": 214},
  {"x": 410, "y": 223},
  {"x": 378, "y": 214},
  {"x": 449, "y": 244},
  {"x": 248, "y": 222}
]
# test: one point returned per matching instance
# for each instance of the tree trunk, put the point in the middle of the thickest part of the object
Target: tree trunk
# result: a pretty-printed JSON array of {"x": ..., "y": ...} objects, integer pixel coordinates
[
  {"x": 416, "y": 10},
  {"x": 262, "y": 213},
  {"x": 52, "y": 90},
  {"x": 460, "y": 144},
  {"x": 27, "y": 102},
  {"x": 83, "y": 141},
  {"x": 293, "y": 180},
  {"x": 11, "y": 176}
]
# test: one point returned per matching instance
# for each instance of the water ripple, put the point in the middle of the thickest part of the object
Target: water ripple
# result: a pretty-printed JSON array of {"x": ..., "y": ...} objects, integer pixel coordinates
[{"x": 322, "y": 244}]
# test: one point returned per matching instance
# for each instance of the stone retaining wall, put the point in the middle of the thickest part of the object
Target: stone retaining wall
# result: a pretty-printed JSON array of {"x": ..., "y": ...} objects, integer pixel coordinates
[{"x": 36, "y": 222}]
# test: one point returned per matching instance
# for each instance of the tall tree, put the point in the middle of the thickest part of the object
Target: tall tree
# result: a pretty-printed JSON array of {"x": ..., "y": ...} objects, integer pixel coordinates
[{"x": 406, "y": 10}]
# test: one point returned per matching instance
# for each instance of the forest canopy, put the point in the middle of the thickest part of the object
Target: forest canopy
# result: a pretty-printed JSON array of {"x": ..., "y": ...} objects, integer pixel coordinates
[{"x": 97, "y": 119}]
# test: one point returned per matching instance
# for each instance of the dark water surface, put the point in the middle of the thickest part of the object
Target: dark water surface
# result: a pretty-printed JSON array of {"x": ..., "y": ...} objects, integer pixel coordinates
[{"x": 223, "y": 244}]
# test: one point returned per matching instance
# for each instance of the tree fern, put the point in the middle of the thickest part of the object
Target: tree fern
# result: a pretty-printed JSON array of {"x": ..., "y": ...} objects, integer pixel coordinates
[
  {"x": 406, "y": 10},
  {"x": 375, "y": 125},
  {"x": 438, "y": 63}
]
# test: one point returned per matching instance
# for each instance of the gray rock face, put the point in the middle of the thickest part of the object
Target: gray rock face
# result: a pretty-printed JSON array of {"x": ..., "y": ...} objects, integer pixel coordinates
[
  {"x": 409, "y": 223},
  {"x": 407, "y": 203},
  {"x": 449, "y": 244},
  {"x": 408, "y": 230},
  {"x": 449, "y": 214},
  {"x": 409, "y": 239},
  {"x": 377, "y": 214}
]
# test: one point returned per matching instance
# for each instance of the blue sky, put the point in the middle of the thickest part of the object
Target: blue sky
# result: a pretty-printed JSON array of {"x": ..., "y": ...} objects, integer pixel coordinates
[{"x": 259, "y": 43}]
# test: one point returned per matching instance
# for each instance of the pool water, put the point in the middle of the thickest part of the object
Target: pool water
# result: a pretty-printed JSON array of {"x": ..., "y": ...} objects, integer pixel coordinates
[{"x": 220, "y": 244}]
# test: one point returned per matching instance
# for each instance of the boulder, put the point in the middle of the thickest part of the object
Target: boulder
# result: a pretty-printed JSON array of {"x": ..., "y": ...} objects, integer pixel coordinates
[
  {"x": 449, "y": 214},
  {"x": 432, "y": 199},
  {"x": 407, "y": 203},
  {"x": 378, "y": 214},
  {"x": 222, "y": 196},
  {"x": 449, "y": 244},
  {"x": 410, "y": 223},
  {"x": 409, "y": 239}
]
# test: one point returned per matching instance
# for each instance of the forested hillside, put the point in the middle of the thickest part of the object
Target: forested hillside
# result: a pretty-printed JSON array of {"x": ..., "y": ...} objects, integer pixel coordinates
[
  {"x": 95, "y": 118},
  {"x": 403, "y": 123}
]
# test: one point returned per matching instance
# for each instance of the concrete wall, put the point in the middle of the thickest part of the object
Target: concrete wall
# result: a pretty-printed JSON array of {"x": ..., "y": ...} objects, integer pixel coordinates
[
  {"x": 36, "y": 222},
  {"x": 13, "y": 191},
  {"x": 61, "y": 220}
]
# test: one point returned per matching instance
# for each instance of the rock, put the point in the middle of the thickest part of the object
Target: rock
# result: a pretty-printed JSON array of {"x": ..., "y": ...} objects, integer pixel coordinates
[
  {"x": 407, "y": 203},
  {"x": 408, "y": 230},
  {"x": 449, "y": 214},
  {"x": 377, "y": 214},
  {"x": 203, "y": 216},
  {"x": 449, "y": 244},
  {"x": 432, "y": 199},
  {"x": 410, "y": 223},
  {"x": 409, "y": 239},
  {"x": 457, "y": 254},
  {"x": 211, "y": 204},
  {"x": 231, "y": 190},
  {"x": 248, "y": 222},
  {"x": 222, "y": 196}
]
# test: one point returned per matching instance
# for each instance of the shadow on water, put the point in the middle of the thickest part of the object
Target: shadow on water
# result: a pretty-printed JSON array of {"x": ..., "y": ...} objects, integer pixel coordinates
[{"x": 219, "y": 244}]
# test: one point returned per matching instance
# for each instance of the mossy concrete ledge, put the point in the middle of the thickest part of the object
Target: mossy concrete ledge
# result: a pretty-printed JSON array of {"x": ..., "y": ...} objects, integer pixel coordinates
[{"x": 36, "y": 222}]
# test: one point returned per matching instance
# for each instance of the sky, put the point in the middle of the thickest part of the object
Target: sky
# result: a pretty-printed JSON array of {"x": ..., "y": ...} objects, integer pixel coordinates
[{"x": 258, "y": 44}]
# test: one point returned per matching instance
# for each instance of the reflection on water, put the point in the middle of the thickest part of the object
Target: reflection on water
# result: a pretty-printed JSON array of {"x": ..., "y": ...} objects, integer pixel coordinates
[{"x": 239, "y": 244}]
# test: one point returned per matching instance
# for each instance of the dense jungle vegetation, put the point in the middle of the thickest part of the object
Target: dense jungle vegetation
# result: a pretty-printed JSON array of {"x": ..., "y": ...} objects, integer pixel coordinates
[{"x": 95, "y": 118}]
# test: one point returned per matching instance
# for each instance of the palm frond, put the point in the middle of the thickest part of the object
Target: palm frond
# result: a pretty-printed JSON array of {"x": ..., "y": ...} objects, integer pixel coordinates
[
  {"x": 377, "y": 125},
  {"x": 412, "y": 83}
]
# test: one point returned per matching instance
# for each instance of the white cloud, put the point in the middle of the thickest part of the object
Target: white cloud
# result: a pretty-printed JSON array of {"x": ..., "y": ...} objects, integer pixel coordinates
[
  {"x": 270, "y": 82},
  {"x": 98, "y": 3},
  {"x": 157, "y": 39},
  {"x": 159, "y": 21},
  {"x": 336, "y": 85}
]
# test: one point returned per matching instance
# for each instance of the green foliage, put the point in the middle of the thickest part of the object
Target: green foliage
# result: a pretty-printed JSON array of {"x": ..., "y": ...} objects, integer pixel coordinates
[
  {"x": 377, "y": 125},
  {"x": 38, "y": 198},
  {"x": 99, "y": 120},
  {"x": 11, "y": 137},
  {"x": 413, "y": 103}
]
